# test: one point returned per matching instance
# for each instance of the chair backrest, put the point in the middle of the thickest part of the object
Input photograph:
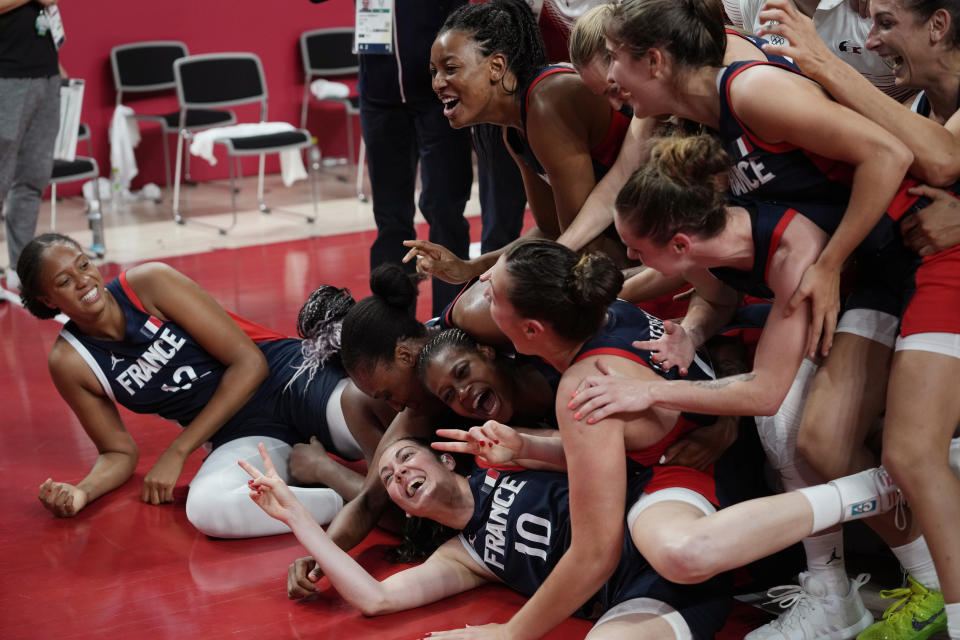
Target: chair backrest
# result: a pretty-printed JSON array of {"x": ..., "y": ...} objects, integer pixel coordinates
[
  {"x": 328, "y": 52},
  {"x": 145, "y": 66},
  {"x": 213, "y": 80}
]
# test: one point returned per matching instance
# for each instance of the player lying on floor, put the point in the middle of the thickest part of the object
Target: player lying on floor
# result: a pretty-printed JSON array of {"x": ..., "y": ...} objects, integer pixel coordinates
[{"x": 515, "y": 524}]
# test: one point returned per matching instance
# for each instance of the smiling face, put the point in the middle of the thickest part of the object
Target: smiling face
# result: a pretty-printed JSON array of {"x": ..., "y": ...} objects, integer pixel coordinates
[
  {"x": 642, "y": 82},
  {"x": 470, "y": 383},
  {"x": 415, "y": 479},
  {"x": 901, "y": 40},
  {"x": 463, "y": 78},
  {"x": 70, "y": 282}
]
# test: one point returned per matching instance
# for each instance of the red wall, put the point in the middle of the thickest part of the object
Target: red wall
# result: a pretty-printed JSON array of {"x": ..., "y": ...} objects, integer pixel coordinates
[{"x": 269, "y": 29}]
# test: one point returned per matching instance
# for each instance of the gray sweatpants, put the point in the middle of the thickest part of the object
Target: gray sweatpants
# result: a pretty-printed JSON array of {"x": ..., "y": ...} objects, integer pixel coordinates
[{"x": 29, "y": 120}]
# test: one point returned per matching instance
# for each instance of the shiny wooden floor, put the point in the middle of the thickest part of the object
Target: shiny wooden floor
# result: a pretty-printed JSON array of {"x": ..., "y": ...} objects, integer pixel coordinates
[{"x": 125, "y": 569}]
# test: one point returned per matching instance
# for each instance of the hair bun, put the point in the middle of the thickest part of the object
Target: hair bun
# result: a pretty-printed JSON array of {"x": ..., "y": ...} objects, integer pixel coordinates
[{"x": 394, "y": 286}]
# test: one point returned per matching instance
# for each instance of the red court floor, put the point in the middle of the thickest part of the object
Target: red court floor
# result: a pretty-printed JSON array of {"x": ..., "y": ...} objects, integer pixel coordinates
[{"x": 122, "y": 568}]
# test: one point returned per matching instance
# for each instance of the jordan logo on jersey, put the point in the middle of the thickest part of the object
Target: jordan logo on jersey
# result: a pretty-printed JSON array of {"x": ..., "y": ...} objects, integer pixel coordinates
[
  {"x": 114, "y": 360},
  {"x": 154, "y": 357}
]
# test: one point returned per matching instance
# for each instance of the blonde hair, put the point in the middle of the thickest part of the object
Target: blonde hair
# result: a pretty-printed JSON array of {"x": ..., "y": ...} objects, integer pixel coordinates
[{"x": 588, "y": 38}]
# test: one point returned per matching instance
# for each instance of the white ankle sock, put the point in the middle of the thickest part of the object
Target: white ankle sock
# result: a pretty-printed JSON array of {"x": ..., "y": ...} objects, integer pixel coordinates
[
  {"x": 825, "y": 560},
  {"x": 916, "y": 560},
  {"x": 953, "y": 620}
]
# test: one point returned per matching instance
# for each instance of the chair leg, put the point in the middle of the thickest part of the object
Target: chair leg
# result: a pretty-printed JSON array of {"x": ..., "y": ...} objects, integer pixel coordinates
[
  {"x": 304, "y": 103},
  {"x": 360, "y": 164},
  {"x": 176, "y": 192},
  {"x": 263, "y": 208},
  {"x": 53, "y": 206},
  {"x": 166, "y": 156},
  {"x": 350, "y": 153},
  {"x": 176, "y": 184}
]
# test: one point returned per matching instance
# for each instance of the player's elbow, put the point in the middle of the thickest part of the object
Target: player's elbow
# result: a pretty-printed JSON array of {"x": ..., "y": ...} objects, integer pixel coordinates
[{"x": 376, "y": 607}]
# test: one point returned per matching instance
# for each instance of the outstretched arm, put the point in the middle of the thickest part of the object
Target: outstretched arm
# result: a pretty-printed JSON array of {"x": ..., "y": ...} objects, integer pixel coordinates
[
  {"x": 443, "y": 574},
  {"x": 935, "y": 145},
  {"x": 170, "y": 295},
  {"x": 118, "y": 452}
]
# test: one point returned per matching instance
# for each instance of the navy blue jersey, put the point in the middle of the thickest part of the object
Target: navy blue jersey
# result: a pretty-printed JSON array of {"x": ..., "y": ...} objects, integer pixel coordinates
[
  {"x": 158, "y": 368},
  {"x": 603, "y": 155},
  {"x": 768, "y": 222},
  {"x": 776, "y": 172},
  {"x": 626, "y": 322},
  {"x": 521, "y": 528},
  {"x": 922, "y": 106}
]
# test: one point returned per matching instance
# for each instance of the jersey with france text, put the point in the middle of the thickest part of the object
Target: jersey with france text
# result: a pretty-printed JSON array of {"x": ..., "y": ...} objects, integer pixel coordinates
[
  {"x": 603, "y": 155},
  {"x": 521, "y": 528},
  {"x": 158, "y": 368}
]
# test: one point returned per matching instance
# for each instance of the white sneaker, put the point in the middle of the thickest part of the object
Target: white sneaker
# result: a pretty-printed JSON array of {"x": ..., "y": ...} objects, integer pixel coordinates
[{"x": 813, "y": 614}]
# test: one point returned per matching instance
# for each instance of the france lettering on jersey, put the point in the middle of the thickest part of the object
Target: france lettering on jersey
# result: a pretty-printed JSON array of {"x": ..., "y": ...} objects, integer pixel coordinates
[
  {"x": 521, "y": 528},
  {"x": 781, "y": 171},
  {"x": 603, "y": 155},
  {"x": 159, "y": 368},
  {"x": 156, "y": 368}
]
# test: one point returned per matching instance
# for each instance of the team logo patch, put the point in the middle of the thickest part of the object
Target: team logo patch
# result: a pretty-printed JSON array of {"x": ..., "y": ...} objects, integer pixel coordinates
[{"x": 863, "y": 508}]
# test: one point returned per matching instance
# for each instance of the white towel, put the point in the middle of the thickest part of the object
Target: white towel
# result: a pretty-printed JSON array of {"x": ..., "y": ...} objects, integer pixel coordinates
[
  {"x": 124, "y": 136},
  {"x": 326, "y": 90},
  {"x": 291, "y": 164}
]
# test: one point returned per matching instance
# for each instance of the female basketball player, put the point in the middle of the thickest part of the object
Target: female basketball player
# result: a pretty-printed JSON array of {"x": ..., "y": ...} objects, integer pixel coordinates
[
  {"x": 153, "y": 341},
  {"x": 488, "y": 65},
  {"x": 516, "y": 524},
  {"x": 922, "y": 41}
]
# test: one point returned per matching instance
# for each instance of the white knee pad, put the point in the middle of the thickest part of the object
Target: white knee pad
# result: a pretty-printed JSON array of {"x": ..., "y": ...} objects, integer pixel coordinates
[{"x": 778, "y": 433}]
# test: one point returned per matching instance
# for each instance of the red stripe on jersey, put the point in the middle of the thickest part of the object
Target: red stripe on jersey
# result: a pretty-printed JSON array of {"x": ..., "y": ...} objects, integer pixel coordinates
[
  {"x": 651, "y": 455},
  {"x": 539, "y": 79},
  {"x": 775, "y": 239},
  {"x": 835, "y": 170},
  {"x": 606, "y": 152},
  {"x": 127, "y": 289},
  {"x": 685, "y": 478},
  {"x": 448, "y": 318},
  {"x": 902, "y": 201},
  {"x": 254, "y": 331},
  {"x": 611, "y": 351}
]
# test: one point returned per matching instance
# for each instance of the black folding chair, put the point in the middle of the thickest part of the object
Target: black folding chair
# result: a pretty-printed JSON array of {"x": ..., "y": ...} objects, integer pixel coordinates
[
  {"x": 328, "y": 53},
  {"x": 217, "y": 80},
  {"x": 140, "y": 67}
]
